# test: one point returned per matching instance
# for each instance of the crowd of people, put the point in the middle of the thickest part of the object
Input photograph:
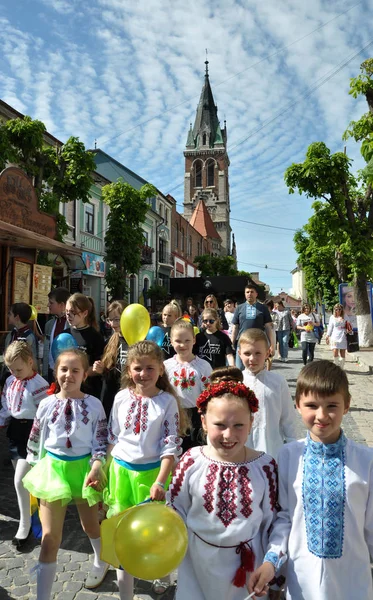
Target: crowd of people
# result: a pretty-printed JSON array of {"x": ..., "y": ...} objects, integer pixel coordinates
[{"x": 201, "y": 422}]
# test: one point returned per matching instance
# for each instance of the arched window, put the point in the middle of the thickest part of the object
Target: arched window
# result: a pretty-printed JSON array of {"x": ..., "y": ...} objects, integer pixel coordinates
[
  {"x": 177, "y": 236},
  {"x": 133, "y": 289},
  {"x": 204, "y": 140},
  {"x": 210, "y": 173},
  {"x": 182, "y": 239},
  {"x": 145, "y": 292},
  {"x": 198, "y": 174},
  {"x": 190, "y": 246}
]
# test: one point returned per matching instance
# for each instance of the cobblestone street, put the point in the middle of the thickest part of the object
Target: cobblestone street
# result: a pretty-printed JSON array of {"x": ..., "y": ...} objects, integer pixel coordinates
[{"x": 75, "y": 554}]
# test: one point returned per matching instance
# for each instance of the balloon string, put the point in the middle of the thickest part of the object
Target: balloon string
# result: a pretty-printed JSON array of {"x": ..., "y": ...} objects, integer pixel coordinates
[{"x": 40, "y": 329}]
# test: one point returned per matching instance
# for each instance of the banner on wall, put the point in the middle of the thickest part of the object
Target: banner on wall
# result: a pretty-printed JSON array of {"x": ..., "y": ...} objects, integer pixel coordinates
[
  {"x": 95, "y": 264},
  {"x": 347, "y": 299}
]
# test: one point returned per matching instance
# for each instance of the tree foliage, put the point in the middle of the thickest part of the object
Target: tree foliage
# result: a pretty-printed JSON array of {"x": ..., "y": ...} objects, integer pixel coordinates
[
  {"x": 211, "y": 266},
  {"x": 124, "y": 236},
  {"x": 60, "y": 174},
  {"x": 342, "y": 224}
]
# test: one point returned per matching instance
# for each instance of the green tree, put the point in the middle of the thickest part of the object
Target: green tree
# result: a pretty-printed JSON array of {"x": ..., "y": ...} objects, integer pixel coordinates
[
  {"x": 211, "y": 266},
  {"x": 124, "y": 236},
  {"x": 60, "y": 174}
]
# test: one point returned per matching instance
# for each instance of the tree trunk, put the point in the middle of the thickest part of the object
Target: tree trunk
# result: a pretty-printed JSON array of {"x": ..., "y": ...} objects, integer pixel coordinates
[{"x": 364, "y": 319}]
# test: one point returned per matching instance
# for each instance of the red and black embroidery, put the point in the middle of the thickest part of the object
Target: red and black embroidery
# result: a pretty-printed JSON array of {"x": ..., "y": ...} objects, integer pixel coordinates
[
  {"x": 19, "y": 390},
  {"x": 227, "y": 497},
  {"x": 35, "y": 433},
  {"x": 84, "y": 412},
  {"x": 101, "y": 434},
  {"x": 68, "y": 421},
  {"x": 245, "y": 491},
  {"x": 209, "y": 486},
  {"x": 144, "y": 416},
  {"x": 177, "y": 482},
  {"x": 40, "y": 390},
  {"x": 56, "y": 410},
  {"x": 131, "y": 410},
  {"x": 272, "y": 483}
]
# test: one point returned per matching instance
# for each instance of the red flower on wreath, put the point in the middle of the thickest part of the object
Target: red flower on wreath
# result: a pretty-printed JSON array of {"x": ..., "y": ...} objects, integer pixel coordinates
[{"x": 228, "y": 387}]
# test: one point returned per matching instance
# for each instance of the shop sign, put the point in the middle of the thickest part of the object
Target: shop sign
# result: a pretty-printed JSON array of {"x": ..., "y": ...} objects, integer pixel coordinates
[
  {"x": 22, "y": 273},
  {"x": 19, "y": 204},
  {"x": 41, "y": 286},
  {"x": 95, "y": 264}
]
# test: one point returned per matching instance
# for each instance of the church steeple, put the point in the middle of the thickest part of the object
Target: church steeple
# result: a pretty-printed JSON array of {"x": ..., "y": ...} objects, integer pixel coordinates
[
  {"x": 207, "y": 167},
  {"x": 206, "y": 132}
]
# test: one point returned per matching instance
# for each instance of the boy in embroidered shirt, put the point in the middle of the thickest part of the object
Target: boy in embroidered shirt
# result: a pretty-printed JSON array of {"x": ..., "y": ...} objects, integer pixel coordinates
[
  {"x": 189, "y": 375},
  {"x": 325, "y": 525},
  {"x": 274, "y": 423}
]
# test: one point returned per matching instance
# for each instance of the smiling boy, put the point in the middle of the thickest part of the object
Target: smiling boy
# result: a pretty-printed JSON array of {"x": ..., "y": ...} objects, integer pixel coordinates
[{"x": 325, "y": 524}]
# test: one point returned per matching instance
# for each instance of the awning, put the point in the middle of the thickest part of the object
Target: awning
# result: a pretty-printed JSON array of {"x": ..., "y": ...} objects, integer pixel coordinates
[
  {"x": 11, "y": 235},
  {"x": 179, "y": 267}
]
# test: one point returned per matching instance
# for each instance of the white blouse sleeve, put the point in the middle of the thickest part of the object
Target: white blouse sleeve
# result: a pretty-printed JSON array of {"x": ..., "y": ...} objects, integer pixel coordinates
[
  {"x": 171, "y": 440},
  {"x": 368, "y": 526},
  {"x": 100, "y": 435},
  {"x": 287, "y": 419},
  {"x": 330, "y": 326},
  {"x": 178, "y": 495},
  {"x": 38, "y": 434},
  {"x": 114, "y": 425},
  {"x": 278, "y": 539},
  {"x": 4, "y": 410}
]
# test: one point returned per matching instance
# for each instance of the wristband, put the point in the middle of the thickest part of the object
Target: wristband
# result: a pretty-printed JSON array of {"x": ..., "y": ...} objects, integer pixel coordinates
[
  {"x": 160, "y": 484},
  {"x": 102, "y": 460}
]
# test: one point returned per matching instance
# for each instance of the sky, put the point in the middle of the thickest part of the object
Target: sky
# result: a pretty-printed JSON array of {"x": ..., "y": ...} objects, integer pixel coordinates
[{"x": 129, "y": 74}]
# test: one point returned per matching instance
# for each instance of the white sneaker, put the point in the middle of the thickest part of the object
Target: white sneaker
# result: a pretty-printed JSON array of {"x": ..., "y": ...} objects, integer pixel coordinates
[{"x": 96, "y": 576}]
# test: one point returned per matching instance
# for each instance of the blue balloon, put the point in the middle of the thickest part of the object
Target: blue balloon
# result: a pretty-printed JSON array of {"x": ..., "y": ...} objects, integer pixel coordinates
[
  {"x": 156, "y": 334},
  {"x": 63, "y": 341}
]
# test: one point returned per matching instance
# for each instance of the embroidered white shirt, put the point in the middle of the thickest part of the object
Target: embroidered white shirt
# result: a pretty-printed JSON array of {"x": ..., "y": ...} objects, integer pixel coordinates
[
  {"x": 20, "y": 398},
  {"x": 83, "y": 425},
  {"x": 274, "y": 423},
  {"x": 311, "y": 576},
  {"x": 143, "y": 430},
  {"x": 188, "y": 379}
]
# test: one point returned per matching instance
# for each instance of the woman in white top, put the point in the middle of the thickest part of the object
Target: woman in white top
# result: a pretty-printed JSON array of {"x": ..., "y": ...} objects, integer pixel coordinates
[
  {"x": 337, "y": 334},
  {"x": 306, "y": 323}
]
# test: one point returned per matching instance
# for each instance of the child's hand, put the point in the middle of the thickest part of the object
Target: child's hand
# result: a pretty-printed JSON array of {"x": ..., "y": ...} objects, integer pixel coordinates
[
  {"x": 96, "y": 479},
  {"x": 157, "y": 492},
  {"x": 98, "y": 367},
  {"x": 259, "y": 580}
]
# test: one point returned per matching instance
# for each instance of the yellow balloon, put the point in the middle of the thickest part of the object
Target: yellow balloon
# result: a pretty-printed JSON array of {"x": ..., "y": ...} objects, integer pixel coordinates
[
  {"x": 150, "y": 541},
  {"x": 196, "y": 330},
  {"x": 134, "y": 323},
  {"x": 34, "y": 313}
]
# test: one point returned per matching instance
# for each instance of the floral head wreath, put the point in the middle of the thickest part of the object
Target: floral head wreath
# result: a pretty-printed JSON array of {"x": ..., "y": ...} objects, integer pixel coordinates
[{"x": 228, "y": 387}]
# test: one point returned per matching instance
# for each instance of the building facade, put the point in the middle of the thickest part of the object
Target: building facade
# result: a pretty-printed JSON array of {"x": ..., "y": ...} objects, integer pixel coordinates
[{"x": 206, "y": 175}]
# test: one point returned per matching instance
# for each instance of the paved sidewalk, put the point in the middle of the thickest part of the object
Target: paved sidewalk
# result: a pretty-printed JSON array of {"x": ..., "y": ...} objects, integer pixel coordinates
[{"x": 75, "y": 554}]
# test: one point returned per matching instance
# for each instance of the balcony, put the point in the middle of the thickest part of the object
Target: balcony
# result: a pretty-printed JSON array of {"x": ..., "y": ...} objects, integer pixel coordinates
[
  {"x": 92, "y": 243},
  {"x": 165, "y": 258},
  {"x": 146, "y": 255}
]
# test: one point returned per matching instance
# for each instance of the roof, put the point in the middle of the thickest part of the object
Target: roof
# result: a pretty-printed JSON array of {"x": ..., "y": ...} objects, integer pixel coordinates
[
  {"x": 287, "y": 299},
  {"x": 202, "y": 222}
]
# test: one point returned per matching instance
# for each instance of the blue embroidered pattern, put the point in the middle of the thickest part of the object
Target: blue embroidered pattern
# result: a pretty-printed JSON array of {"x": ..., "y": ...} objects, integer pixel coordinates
[{"x": 324, "y": 494}]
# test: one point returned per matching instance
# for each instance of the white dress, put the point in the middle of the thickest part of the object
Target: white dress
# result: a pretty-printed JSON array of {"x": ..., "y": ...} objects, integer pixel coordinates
[
  {"x": 188, "y": 379},
  {"x": 337, "y": 333},
  {"x": 20, "y": 398},
  {"x": 325, "y": 523},
  {"x": 223, "y": 505},
  {"x": 274, "y": 423}
]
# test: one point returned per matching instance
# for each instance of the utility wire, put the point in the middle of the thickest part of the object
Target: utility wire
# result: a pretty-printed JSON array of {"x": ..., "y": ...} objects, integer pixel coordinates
[{"x": 275, "y": 53}]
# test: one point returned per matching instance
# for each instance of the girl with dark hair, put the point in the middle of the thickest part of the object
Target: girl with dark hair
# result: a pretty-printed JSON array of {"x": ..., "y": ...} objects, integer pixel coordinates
[{"x": 81, "y": 317}]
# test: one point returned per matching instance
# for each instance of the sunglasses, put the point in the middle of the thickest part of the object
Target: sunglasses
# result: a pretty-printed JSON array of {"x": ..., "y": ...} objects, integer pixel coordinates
[{"x": 211, "y": 321}]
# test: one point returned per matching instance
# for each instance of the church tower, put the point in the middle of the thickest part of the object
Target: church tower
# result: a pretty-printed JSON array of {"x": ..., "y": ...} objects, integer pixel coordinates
[{"x": 206, "y": 166}]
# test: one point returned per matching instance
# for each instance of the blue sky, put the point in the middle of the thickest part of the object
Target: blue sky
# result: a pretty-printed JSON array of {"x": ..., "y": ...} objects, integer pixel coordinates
[{"x": 129, "y": 74}]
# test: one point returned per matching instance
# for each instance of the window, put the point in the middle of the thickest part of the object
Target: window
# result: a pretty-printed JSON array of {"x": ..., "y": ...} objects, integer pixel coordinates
[
  {"x": 89, "y": 218},
  {"x": 166, "y": 216},
  {"x": 177, "y": 235},
  {"x": 162, "y": 251},
  {"x": 132, "y": 289},
  {"x": 198, "y": 174},
  {"x": 146, "y": 237},
  {"x": 204, "y": 140},
  {"x": 210, "y": 173},
  {"x": 190, "y": 246},
  {"x": 161, "y": 209},
  {"x": 182, "y": 239}
]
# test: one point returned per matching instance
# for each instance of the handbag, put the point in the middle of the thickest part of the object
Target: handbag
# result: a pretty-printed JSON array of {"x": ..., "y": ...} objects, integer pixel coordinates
[{"x": 352, "y": 341}]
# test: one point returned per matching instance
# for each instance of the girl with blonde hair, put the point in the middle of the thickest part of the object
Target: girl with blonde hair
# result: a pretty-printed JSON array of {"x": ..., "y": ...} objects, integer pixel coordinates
[{"x": 336, "y": 335}]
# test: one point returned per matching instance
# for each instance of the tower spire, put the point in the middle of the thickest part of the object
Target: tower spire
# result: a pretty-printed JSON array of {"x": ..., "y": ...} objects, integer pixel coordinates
[{"x": 207, "y": 65}]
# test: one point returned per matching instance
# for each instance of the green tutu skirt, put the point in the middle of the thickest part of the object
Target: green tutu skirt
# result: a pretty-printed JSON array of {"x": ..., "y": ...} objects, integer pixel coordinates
[
  {"x": 128, "y": 488},
  {"x": 54, "y": 479}
]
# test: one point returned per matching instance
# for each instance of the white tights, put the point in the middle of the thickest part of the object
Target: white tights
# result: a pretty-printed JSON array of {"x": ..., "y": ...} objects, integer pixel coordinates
[
  {"x": 21, "y": 469},
  {"x": 125, "y": 584}
]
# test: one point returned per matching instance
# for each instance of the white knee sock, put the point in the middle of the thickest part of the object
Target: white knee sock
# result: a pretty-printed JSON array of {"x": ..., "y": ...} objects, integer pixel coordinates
[
  {"x": 336, "y": 360},
  {"x": 342, "y": 363},
  {"x": 125, "y": 584},
  {"x": 23, "y": 497},
  {"x": 96, "y": 545},
  {"x": 46, "y": 573}
]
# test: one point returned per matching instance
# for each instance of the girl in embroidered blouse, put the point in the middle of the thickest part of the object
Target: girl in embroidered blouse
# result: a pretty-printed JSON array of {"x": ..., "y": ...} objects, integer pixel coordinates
[
  {"x": 20, "y": 398},
  {"x": 325, "y": 524},
  {"x": 144, "y": 437},
  {"x": 226, "y": 494},
  {"x": 68, "y": 444}
]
